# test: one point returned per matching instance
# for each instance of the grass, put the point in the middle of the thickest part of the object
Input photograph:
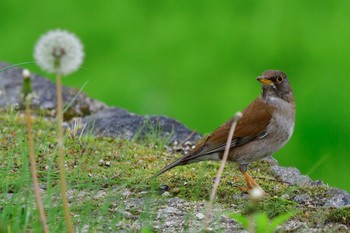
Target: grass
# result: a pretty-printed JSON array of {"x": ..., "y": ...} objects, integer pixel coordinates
[
  {"x": 105, "y": 176},
  {"x": 96, "y": 168}
]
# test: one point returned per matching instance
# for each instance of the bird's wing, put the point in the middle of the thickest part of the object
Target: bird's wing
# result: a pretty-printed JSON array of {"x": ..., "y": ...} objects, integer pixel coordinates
[
  {"x": 253, "y": 124},
  {"x": 256, "y": 117}
]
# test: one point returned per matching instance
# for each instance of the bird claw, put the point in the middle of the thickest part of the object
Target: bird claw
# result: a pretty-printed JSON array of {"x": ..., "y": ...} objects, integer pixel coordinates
[{"x": 251, "y": 183}]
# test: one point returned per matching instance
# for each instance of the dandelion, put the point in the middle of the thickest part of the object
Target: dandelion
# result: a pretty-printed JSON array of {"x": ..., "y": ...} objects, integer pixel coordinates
[{"x": 59, "y": 52}]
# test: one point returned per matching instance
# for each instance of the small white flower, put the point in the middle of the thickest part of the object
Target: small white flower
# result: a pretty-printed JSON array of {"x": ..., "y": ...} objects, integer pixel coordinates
[{"x": 59, "y": 52}]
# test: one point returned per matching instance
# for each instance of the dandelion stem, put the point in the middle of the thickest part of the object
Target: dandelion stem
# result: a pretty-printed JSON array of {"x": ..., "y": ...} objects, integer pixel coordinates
[
  {"x": 237, "y": 116},
  {"x": 33, "y": 166},
  {"x": 61, "y": 154}
]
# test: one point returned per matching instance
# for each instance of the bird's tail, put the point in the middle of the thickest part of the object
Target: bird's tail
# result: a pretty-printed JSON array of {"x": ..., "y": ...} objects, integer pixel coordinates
[{"x": 179, "y": 162}]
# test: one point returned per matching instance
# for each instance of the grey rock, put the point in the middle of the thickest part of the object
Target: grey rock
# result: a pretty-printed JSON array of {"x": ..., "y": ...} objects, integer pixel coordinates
[
  {"x": 302, "y": 198},
  {"x": 45, "y": 94},
  {"x": 292, "y": 226},
  {"x": 285, "y": 196},
  {"x": 179, "y": 214},
  {"x": 169, "y": 210},
  {"x": 166, "y": 194},
  {"x": 103, "y": 120},
  {"x": 316, "y": 183},
  {"x": 200, "y": 216},
  {"x": 339, "y": 198},
  {"x": 291, "y": 175},
  {"x": 9, "y": 195},
  {"x": 114, "y": 122}
]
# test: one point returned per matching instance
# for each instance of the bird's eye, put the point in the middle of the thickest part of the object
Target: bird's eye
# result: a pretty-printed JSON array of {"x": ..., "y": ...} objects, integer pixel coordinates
[{"x": 279, "y": 79}]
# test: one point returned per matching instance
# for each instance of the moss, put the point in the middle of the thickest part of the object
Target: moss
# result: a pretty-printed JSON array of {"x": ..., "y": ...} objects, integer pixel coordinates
[
  {"x": 341, "y": 215},
  {"x": 272, "y": 206},
  {"x": 195, "y": 181},
  {"x": 106, "y": 162},
  {"x": 110, "y": 166}
]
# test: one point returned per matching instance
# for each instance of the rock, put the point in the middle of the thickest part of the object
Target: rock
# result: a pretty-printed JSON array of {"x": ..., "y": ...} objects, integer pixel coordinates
[
  {"x": 290, "y": 175},
  {"x": 285, "y": 196},
  {"x": 339, "y": 198},
  {"x": 292, "y": 226},
  {"x": 114, "y": 122},
  {"x": 316, "y": 183},
  {"x": 302, "y": 198},
  {"x": 175, "y": 217},
  {"x": 45, "y": 94},
  {"x": 104, "y": 121},
  {"x": 200, "y": 216},
  {"x": 170, "y": 210},
  {"x": 166, "y": 194}
]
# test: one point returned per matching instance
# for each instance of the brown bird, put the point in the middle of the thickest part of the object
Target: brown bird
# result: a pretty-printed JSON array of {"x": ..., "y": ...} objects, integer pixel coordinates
[{"x": 266, "y": 125}]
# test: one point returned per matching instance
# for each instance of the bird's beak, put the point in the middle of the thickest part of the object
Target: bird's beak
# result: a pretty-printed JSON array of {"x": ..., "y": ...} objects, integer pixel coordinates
[{"x": 264, "y": 80}]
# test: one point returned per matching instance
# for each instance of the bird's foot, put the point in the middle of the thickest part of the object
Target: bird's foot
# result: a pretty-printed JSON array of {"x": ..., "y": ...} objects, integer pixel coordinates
[{"x": 251, "y": 183}]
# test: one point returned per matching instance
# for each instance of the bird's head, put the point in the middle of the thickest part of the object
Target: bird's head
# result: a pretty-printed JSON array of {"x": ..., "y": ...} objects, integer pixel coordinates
[{"x": 275, "y": 84}]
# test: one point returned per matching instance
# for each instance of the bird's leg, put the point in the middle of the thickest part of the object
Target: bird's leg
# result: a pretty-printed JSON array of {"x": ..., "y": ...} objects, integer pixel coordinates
[{"x": 250, "y": 182}]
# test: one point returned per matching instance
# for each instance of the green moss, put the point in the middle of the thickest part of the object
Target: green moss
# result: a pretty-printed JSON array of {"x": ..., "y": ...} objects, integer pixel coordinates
[
  {"x": 99, "y": 170},
  {"x": 272, "y": 206},
  {"x": 341, "y": 215},
  {"x": 106, "y": 162}
]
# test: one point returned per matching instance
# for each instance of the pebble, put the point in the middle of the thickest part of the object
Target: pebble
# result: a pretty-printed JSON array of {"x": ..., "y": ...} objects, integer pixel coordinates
[
  {"x": 200, "y": 216},
  {"x": 163, "y": 188},
  {"x": 126, "y": 193},
  {"x": 166, "y": 194},
  {"x": 170, "y": 210},
  {"x": 316, "y": 183}
]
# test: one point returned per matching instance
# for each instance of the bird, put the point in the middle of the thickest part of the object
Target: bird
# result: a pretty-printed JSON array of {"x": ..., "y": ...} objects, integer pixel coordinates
[{"x": 266, "y": 126}]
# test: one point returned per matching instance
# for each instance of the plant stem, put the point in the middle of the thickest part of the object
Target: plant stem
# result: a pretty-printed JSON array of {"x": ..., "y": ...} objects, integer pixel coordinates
[
  {"x": 61, "y": 154},
  {"x": 33, "y": 166},
  {"x": 14, "y": 65},
  {"x": 237, "y": 116}
]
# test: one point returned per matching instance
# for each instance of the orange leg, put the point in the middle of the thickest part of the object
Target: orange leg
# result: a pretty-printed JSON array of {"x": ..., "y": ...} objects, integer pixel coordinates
[{"x": 250, "y": 182}]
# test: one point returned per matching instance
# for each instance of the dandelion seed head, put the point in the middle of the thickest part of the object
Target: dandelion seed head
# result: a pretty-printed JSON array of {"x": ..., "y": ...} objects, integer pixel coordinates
[{"x": 59, "y": 52}]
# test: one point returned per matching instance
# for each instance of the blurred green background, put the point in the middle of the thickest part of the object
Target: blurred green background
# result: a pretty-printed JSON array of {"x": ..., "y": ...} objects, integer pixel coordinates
[{"x": 196, "y": 61}]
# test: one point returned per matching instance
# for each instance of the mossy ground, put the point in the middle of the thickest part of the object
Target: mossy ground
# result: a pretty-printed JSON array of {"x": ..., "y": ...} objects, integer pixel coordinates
[
  {"x": 101, "y": 172},
  {"x": 341, "y": 215}
]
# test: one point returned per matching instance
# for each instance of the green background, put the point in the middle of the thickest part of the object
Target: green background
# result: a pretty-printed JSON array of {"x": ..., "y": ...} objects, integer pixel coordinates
[{"x": 196, "y": 61}]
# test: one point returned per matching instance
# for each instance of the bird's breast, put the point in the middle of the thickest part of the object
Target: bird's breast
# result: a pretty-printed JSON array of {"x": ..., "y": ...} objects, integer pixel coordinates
[
  {"x": 279, "y": 131},
  {"x": 281, "y": 126}
]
